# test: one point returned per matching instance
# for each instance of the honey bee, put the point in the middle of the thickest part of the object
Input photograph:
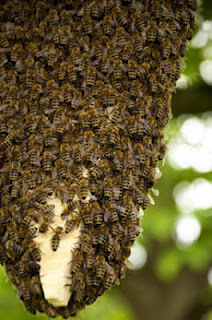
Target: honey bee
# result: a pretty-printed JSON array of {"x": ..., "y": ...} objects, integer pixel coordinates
[
  {"x": 47, "y": 161},
  {"x": 3, "y": 59},
  {"x": 83, "y": 61},
  {"x": 5, "y": 216},
  {"x": 117, "y": 69},
  {"x": 52, "y": 57},
  {"x": 48, "y": 214},
  {"x": 112, "y": 50},
  {"x": 15, "y": 190},
  {"x": 86, "y": 244},
  {"x": 157, "y": 10},
  {"x": 135, "y": 88},
  {"x": 66, "y": 89},
  {"x": 87, "y": 24},
  {"x": 151, "y": 31},
  {"x": 121, "y": 15},
  {"x": 162, "y": 152},
  {"x": 43, "y": 228},
  {"x": 59, "y": 112},
  {"x": 61, "y": 168},
  {"x": 77, "y": 262},
  {"x": 31, "y": 232},
  {"x": 50, "y": 138},
  {"x": 96, "y": 172},
  {"x": 53, "y": 17},
  {"x": 115, "y": 231},
  {"x": 112, "y": 97},
  {"x": 98, "y": 213},
  {"x": 98, "y": 51},
  {"x": 166, "y": 49},
  {"x": 35, "y": 92},
  {"x": 72, "y": 73},
  {"x": 4, "y": 43},
  {"x": 115, "y": 116},
  {"x": 159, "y": 104},
  {"x": 51, "y": 87},
  {"x": 32, "y": 267},
  {"x": 132, "y": 233},
  {"x": 153, "y": 83},
  {"x": 102, "y": 235},
  {"x": 74, "y": 204},
  {"x": 3, "y": 127},
  {"x": 140, "y": 106},
  {"x": 137, "y": 42},
  {"x": 93, "y": 187},
  {"x": 119, "y": 160},
  {"x": 62, "y": 71},
  {"x": 14, "y": 248},
  {"x": 83, "y": 189},
  {"x": 107, "y": 26},
  {"x": 96, "y": 11},
  {"x": 41, "y": 198},
  {"x": 139, "y": 20},
  {"x": 100, "y": 267},
  {"x": 108, "y": 188},
  {"x": 121, "y": 36},
  {"x": 16, "y": 52},
  {"x": 91, "y": 76},
  {"x": 35, "y": 285},
  {"x": 65, "y": 17},
  {"x": 105, "y": 63},
  {"x": 114, "y": 136},
  {"x": 109, "y": 280},
  {"x": 47, "y": 308},
  {"x": 192, "y": 4},
  {"x": 183, "y": 49},
  {"x": 84, "y": 118},
  {"x": 126, "y": 181},
  {"x": 29, "y": 35},
  {"x": 89, "y": 258},
  {"x": 56, "y": 238},
  {"x": 3, "y": 73},
  {"x": 34, "y": 156},
  {"x": 25, "y": 291},
  {"x": 12, "y": 232},
  {"x": 42, "y": 29},
  {"x": 147, "y": 142},
  {"x": 86, "y": 214},
  {"x": 185, "y": 16},
  {"x": 64, "y": 36},
  {"x": 65, "y": 152},
  {"x": 94, "y": 120},
  {"x": 131, "y": 125},
  {"x": 113, "y": 249},
  {"x": 76, "y": 99},
  {"x": 132, "y": 69},
  {"x": 75, "y": 55},
  {"x": 11, "y": 94},
  {"x": 31, "y": 123},
  {"x": 13, "y": 174},
  {"x": 72, "y": 224}
]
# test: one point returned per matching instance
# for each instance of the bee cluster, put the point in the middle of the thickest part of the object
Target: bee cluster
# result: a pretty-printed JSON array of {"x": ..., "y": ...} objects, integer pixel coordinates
[{"x": 85, "y": 90}]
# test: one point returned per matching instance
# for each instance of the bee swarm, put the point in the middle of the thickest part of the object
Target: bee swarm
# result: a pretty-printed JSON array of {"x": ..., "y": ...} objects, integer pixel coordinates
[{"x": 85, "y": 92}]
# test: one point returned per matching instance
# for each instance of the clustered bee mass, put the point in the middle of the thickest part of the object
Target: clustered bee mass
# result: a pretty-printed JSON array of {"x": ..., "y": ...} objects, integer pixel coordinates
[{"x": 85, "y": 89}]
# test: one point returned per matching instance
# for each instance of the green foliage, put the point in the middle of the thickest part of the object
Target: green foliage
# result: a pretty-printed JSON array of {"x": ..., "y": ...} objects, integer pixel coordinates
[{"x": 111, "y": 306}]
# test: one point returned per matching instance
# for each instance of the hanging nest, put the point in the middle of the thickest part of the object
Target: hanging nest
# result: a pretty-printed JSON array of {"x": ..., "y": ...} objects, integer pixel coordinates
[{"x": 85, "y": 89}]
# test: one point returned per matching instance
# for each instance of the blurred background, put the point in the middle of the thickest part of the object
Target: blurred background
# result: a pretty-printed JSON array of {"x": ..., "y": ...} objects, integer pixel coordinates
[{"x": 170, "y": 275}]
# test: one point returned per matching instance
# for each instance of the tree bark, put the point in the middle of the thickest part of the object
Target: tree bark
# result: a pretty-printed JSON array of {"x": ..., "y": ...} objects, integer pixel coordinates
[
  {"x": 151, "y": 299},
  {"x": 192, "y": 100}
]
